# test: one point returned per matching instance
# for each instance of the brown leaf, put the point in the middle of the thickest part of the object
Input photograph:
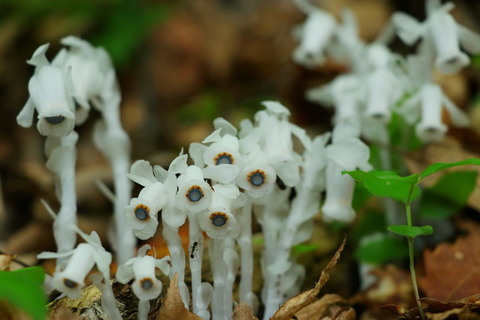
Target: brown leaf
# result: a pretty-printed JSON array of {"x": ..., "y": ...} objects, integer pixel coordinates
[
  {"x": 64, "y": 313},
  {"x": 243, "y": 312},
  {"x": 300, "y": 301},
  {"x": 437, "y": 306},
  {"x": 5, "y": 261},
  {"x": 173, "y": 307},
  {"x": 452, "y": 271},
  {"x": 319, "y": 307}
]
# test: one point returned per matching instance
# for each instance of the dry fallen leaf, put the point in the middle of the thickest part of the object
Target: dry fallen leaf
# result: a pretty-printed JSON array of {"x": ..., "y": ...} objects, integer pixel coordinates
[
  {"x": 64, "y": 313},
  {"x": 5, "y": 261},
  {"x": 452, "y": 271},
  {"x": 173, "y": 307},
  {"x": 300, "y": 301},
  {"x": 466, "y": 308},
  {"x": 243, "y": 312}
]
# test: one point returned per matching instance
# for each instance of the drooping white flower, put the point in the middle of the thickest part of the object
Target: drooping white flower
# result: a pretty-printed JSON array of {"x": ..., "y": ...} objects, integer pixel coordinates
[
  {"x": 142, "y": 268},
  {"x": 315, "y": 35},
  {"x": 49, "y": 90},
  {"x": 256, "y": 177},
  {"x": 347, "y": 152},
  {"x": 70, "y": 278},
  {"x": 442, "y": 34},
  {"x": 276, "y": 141},
  {"x": 194, "y": 194},
  {"x": 89, "y": 68},
  {"x": 219, "y": 221}
]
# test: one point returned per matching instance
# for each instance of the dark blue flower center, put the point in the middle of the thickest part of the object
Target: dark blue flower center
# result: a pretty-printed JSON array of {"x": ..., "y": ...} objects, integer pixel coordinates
[
  {"x": 223, "y": 158},
  {"x": 146, "y": 283},
  {"x": 257, "y": 178},
  {"x": 69, "y": 283},
  {"x": 141, "y": 213},
  {"x": 218, "y": 219},
  {"x": 195, "y": 194},
  {"x": 55, "y": 120}
]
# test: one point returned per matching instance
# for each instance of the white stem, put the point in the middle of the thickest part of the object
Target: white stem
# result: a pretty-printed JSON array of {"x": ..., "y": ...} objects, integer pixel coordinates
[
  {"x": 231, "y": 260},
  {"x": 174, "y": 244},
  {"x": 143, "y": 309},
  {"x": 195, "y": 257},
  {"x": 108, "y": 302},
  {"x": 219, "y": 270},
  {"x": 246, "y": 257}
]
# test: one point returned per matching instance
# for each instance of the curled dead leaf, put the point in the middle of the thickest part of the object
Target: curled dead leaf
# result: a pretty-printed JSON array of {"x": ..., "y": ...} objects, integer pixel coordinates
[{"x": 173, "y": 307}]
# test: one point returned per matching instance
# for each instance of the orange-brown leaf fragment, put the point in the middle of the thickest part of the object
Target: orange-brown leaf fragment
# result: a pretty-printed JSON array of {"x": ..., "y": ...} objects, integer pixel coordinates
[
  {"x": 452, "y": 271},
  {"x": 173, "y": 307},
  {"x": 319, "y": 308},
  {"x": 243, "y": 312},
  {"x": 300, "y": 301}
]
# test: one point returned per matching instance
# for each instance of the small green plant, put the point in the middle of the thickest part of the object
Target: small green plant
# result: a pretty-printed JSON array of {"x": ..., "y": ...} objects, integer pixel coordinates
[
  {"x": 406, "y": 190},
  {"x": 23, "y": 289}
]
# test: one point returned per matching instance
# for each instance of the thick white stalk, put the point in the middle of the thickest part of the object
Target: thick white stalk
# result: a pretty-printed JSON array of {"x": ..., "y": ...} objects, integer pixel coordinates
[
  {"x": 143, "y": 309},
  {"x": 195, "y": 256},
  {"x": 174, "y": 244},
  {"x": 219, "y": 270},
  {"x": 246, "y": 253}
]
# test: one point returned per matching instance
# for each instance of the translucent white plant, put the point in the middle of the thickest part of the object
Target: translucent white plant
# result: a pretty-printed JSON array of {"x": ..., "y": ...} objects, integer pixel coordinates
[
  {"x": 441, "y": 34},
  {"x": 69, "y": 278},
  {"x": 346, "y": 152},
  {"x": 50, "y": 91},
  {"x": 146, "y": 286},
  {"x": 315, "y": 34}
]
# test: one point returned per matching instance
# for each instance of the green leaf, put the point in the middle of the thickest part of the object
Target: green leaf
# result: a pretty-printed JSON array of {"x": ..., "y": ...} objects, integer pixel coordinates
[
  {"x": 448, "y": 195},
  {"x": 408, "y": 231},
  {"x": 381, "y": 250},
  {"x": 305, "y": 248},
  {"x": 442, "y": 166},
  {"x": 387, "y": 184},
  {"x": 23, "y": 289}
]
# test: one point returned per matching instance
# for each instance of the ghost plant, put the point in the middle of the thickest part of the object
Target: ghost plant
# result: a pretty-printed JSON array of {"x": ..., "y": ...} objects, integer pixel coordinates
[{"x": 146, "y": 286}]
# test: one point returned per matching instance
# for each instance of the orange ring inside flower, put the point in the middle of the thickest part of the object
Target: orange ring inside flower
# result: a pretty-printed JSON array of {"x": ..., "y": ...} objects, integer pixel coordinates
[
  {"x": 142, "y": 212},
  {"x": 223, "y": 158},
  {"x": 219, "y": 219},
  {"x": 257, "y": 178}
]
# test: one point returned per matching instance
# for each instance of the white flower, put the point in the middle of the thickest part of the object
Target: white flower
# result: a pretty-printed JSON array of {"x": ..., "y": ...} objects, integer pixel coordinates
[
  {"x": 89, "y": 68},
  {"x": 276, "y": 141},
  {"x": 442, "y": 32},
  {"x": 194, "y": 194},
  {"x": 49, "y": 95},
  {"x": 257, "y": 178},
  {"x": 381, "y": 96},
  {"x": 316, "y": 33},
  {"x": 70, "y": 279},
  {"x": 222, "y": 157},
  {"x": 346, "y": 152},
  {"x": 142, "y": 268},
  {"x": 218, "y": 221}
]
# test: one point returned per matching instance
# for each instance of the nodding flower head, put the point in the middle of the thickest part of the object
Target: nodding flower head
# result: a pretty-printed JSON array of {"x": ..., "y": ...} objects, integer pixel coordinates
[
  {"x": 48, "y": 93},
  {"x": 146, "y": 286},
  {"x": 257, "y": 178},
  {"x": 142, "y": 268},
  {"x": 194, "y": 194},
  {"x": 142, "y": 212},
  {"x": 218, "y": 221},
  {"x": 72, "y": 279},
  {"x": 223, "y": 151},
  {"x": 430, "y": 128}
]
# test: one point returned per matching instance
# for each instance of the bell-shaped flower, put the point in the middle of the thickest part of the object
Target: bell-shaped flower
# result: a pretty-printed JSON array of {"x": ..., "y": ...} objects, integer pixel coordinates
[
  {"x": 70, "y": 278},
  {"x": 146, "y": 286},
  {"x": 276, "y": 141},
  {"x": 222, "y": 157},
  {"x": 347, "y": 152},
  {"x": 344, "y": 94},
  {"x": 315, "y": 35},
  {"x": 194, "y": 194},
  {"x": 256, "y": 177},
  {"x": 89, "y": 68},
  {"x": 50, "y": 95},
  {"x": 142, "y": 213},
  {"x": 443, "y": 32},
  {"x": 382, "y": 92},
  {"x": 219, "y": 221}
]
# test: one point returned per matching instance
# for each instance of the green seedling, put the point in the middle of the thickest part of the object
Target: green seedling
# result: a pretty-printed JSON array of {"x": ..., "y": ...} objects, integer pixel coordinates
[{"x": 406, "y": 190}]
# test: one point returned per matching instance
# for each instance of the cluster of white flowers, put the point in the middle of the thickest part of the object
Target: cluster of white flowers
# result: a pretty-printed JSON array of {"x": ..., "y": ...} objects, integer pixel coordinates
[
  {"x": 236, "y": 173},
  {"x": 381, "y": 81}
]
